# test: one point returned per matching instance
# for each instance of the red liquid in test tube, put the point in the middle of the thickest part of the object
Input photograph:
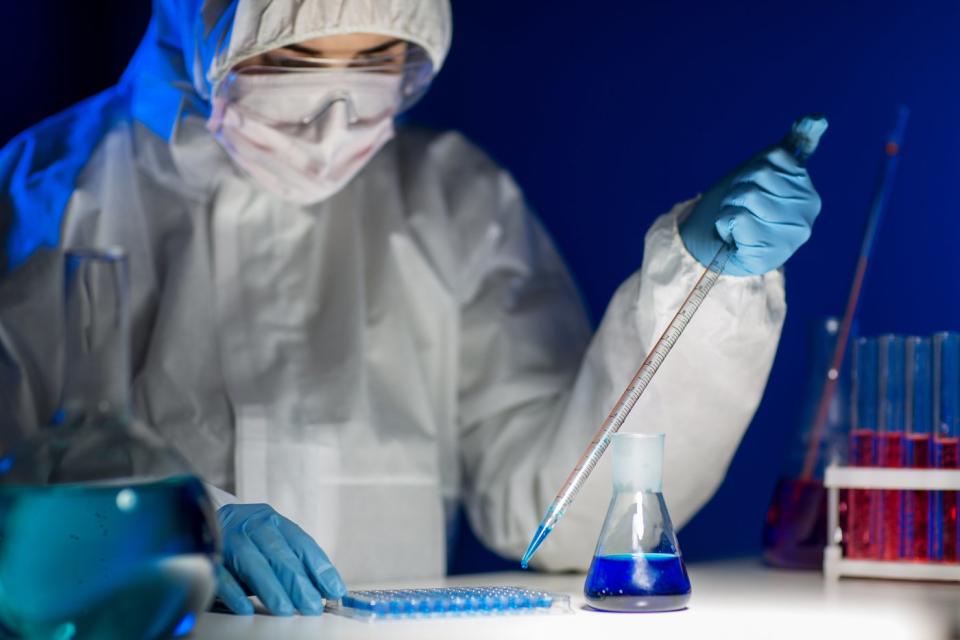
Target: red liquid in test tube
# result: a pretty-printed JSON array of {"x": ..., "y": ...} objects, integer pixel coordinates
[
  {"x": 917, "y": 504},
  {"x": 946, "y": 457},
  {"x": 860, "y": 532},
  {"x": 889, "y": 501},
  {"x": 946, "y": 350},
  {"x": 891, "y": 420}
]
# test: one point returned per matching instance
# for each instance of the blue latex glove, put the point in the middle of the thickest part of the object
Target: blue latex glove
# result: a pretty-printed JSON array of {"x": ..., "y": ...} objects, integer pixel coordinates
[
  {"x": 765, "y": 208},
  {"x": 275, "y": 560}
]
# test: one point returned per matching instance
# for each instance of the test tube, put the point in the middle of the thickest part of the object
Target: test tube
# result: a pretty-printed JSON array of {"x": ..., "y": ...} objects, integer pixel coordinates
[
  {"x": 919, "y": 416},
  {"x": 863, "y": 432},
  {"x": 946, "y": 421},
  {"x": 888, "y": 503}
]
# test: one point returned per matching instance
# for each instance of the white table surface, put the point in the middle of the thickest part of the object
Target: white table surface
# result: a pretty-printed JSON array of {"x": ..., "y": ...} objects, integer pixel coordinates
[{"x": 731, "y": 599}]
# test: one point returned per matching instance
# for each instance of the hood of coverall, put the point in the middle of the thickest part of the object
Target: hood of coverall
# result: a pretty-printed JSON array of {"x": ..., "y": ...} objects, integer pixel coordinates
[{"x": 191, "y": 45}]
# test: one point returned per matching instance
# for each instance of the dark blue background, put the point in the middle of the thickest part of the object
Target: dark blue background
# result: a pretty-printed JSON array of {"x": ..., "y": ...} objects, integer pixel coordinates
[{"x": 608, "y": 112}]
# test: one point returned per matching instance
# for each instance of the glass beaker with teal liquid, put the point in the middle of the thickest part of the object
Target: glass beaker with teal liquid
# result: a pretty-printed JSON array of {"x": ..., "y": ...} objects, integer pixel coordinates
[
  {"x": 104, "y": 531},
  {"x": 637, "y": 565}
]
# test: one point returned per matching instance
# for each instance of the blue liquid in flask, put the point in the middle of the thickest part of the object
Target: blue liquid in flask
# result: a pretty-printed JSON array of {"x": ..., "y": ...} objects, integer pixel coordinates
[
  {"x": 104, "y": 560},
  {"x": 638, "y": 582}
]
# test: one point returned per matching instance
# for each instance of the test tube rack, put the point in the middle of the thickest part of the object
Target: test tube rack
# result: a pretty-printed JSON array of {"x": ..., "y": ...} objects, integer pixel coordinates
[{"x": 836, "y": 478}]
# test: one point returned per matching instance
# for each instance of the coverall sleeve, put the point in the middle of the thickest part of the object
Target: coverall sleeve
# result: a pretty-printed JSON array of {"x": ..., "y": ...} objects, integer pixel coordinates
[{"x": 535, "y": 388}]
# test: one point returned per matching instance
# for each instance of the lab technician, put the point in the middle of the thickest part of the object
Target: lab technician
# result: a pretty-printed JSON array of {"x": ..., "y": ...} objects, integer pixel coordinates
[{"x": 361, "y": 327}]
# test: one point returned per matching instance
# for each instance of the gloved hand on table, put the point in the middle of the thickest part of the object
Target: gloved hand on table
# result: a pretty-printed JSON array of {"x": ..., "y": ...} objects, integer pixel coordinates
[
  {"x": 766, "y": 208},
  {"x": 275, "y": 560}
]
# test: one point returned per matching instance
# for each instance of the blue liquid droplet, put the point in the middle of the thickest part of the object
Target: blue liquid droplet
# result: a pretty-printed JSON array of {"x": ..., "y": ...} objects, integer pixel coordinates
[{"x": 185, "y": 626}]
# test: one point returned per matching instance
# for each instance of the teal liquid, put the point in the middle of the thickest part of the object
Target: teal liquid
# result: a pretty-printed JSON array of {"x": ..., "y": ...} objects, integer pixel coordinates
[{"x": 105, "y": 561}]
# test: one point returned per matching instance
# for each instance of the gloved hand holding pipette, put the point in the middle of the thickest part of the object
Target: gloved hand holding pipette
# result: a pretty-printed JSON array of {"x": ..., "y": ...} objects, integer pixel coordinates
[
  {"x": 765, "y": 208},
  {"x": 756, "y": 198}
]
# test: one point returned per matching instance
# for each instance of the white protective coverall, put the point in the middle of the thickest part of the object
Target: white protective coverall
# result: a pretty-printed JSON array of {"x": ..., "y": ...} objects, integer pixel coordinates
[{"x": 367, "y": 363}]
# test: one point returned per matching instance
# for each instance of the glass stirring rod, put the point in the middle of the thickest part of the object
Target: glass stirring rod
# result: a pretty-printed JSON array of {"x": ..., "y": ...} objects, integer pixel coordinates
[{"x": 801, "y": 142}]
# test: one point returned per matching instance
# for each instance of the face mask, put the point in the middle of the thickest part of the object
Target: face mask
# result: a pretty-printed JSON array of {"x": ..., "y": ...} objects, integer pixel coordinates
[{"x": 304, "y": 135}]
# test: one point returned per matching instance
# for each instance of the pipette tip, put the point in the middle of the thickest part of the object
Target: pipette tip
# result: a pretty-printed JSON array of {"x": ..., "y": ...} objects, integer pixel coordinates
[{"x": 538, "y": 538}]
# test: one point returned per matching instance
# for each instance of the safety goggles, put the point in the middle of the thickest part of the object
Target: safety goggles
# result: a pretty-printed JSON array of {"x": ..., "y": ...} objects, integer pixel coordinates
[{"x": 296, "y": 90}]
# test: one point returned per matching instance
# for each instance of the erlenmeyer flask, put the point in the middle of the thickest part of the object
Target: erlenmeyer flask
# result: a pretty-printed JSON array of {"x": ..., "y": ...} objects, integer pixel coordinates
[
  {"x": 104, "y": 531},
  {"x": 637, "y": 564}
]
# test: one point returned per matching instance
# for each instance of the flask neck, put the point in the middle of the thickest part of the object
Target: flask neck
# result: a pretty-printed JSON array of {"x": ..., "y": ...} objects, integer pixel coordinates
[
  {"x": 96, "y": 379},
  {"x": 637, "y": 463}
]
